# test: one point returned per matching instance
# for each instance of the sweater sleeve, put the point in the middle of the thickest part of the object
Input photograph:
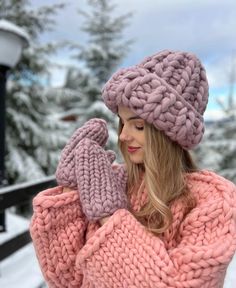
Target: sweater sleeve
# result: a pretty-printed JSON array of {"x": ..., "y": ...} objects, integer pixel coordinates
[
  {"x": 58, "y": 232},
  {"x": 122, "y": 253}
]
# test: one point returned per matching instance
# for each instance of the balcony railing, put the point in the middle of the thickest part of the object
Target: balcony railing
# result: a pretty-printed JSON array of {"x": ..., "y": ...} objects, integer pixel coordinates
[{"x": 18, "y": 194}]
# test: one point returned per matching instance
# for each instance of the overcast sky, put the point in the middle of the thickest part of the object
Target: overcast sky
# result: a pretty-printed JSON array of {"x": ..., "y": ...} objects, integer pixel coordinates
[{"x": 205, "y": 27}]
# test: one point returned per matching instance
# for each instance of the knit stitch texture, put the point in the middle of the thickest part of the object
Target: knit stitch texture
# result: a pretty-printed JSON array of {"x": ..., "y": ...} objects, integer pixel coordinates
[
  {"x": 94, "y": 129},
  {"x": 168, "y": 90},
  {"x": 195, "y": 253},
  {"x": 102, "y": 191}
]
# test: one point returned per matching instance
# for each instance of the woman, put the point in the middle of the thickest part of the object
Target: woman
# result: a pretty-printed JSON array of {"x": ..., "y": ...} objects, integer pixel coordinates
[{"x": 156, "y": 221}]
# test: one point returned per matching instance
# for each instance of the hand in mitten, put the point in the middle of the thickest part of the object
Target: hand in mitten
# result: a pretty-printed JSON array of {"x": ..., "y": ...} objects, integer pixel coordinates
[
  {"x": 95, "y": 129},
  {"x": 102, "y": 191}
]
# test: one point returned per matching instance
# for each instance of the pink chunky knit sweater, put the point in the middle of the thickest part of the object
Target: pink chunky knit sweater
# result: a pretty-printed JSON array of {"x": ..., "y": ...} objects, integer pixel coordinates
[{"x": 122, "y": 253}]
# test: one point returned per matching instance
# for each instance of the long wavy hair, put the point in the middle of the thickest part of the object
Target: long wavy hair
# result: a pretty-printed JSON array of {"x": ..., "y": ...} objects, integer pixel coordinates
[{"x": 164, "y": 168}]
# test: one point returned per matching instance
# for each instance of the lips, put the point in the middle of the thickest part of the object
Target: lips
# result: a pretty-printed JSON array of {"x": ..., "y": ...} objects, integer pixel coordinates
[{"x": 132, "y": 149}]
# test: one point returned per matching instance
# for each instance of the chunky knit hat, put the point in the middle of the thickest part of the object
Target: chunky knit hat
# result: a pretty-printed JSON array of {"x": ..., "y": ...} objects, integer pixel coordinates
[{"x": 168, "y": 90}]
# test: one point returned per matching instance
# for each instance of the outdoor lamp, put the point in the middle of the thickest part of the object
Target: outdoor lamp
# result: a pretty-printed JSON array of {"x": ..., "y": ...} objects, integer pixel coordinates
[{"x": 12, "y": 40}]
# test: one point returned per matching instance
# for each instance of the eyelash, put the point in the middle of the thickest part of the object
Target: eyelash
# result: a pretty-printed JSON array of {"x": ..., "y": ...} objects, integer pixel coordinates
[
  {"x": 139, "y": 128},
  {"x": 136, "y": 127}
]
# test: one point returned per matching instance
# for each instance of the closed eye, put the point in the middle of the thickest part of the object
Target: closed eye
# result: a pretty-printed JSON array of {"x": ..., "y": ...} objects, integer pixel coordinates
[{"x": 140, "y": 128}]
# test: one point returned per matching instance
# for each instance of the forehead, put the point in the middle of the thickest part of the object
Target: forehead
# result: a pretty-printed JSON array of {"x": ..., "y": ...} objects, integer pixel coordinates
[{"x": 125, "y": 112}]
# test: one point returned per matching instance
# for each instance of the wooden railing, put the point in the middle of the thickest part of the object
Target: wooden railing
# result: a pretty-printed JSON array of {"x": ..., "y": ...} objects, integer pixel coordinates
[{"x": 14, "y": 195}]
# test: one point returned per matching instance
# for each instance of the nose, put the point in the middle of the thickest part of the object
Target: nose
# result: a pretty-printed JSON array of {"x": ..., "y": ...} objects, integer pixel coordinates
[{"x": 124, "y": 135}]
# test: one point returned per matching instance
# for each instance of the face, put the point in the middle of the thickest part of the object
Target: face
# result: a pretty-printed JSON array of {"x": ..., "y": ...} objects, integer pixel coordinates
[{"x": 132, "y": 134}]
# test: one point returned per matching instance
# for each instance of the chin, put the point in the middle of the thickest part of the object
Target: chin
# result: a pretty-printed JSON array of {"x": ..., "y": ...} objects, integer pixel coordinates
[{"x": 136, "y": 160}]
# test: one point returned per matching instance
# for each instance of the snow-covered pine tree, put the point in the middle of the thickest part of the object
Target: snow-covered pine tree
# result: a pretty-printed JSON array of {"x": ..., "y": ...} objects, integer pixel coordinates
[
  {"x": 218, "y": 148},
  {"x": 217, "y": 151},
  {"x": 100, "y": 56},
  {"x": 34, "y": 137}
]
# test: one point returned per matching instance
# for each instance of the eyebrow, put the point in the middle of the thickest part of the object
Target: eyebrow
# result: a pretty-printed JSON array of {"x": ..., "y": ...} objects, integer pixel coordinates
[{"x": 132, "y": 118}]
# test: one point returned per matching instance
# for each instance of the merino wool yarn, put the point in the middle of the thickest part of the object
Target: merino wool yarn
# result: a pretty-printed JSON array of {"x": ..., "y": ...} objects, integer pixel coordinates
[
  {"x": 193, "y": 253},
  {"x": 168, "y": 90}
]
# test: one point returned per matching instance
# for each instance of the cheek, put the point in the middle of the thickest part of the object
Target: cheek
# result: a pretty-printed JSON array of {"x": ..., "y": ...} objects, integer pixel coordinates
[{"x": 141, "y": 140}]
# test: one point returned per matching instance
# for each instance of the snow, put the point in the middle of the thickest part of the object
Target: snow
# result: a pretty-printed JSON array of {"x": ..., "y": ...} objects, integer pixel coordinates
[
  {"x": 218, "y": 148},
  {"x": 15, "y": 225},
  {"x": 21, "y": 270},
  {"x": 230, "y": 280}
]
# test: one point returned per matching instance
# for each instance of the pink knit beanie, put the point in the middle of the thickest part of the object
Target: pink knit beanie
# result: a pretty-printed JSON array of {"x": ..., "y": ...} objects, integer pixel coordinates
[{"x": 168, "y": 90}]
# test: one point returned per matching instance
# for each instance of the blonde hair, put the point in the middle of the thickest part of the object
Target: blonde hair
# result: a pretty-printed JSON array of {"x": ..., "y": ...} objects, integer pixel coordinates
[{"x": 164, "y": 168}]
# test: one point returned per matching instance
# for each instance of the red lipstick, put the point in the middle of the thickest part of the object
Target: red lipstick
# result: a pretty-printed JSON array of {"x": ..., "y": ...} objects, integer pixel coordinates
[{"x": 132, "y": 149}]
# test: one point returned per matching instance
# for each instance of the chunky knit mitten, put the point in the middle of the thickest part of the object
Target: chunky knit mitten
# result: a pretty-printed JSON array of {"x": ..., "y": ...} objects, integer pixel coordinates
[
  {"x": 95, "y": 129},
  {"x": 102, "y": 188}
]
